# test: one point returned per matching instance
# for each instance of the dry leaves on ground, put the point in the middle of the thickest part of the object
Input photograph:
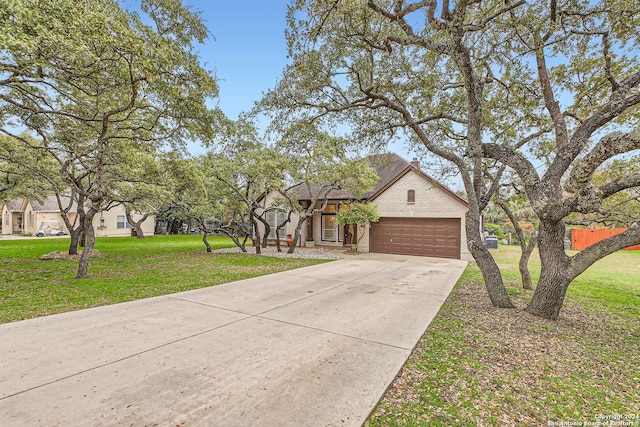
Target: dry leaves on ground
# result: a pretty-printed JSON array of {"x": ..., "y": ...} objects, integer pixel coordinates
[
  {"x": 62, "y": 255},
  {"x": 478, "y": 365}
]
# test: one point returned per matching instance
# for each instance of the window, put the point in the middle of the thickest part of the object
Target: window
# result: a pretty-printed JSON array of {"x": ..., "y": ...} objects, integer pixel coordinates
[
  {"x": 275, "y": 218},
  {"x": 329, "y": 224},
  {"x": 122, "y": 222},
  {"x": 329, "y": 228},
  {"x": 411, "y": 196}
]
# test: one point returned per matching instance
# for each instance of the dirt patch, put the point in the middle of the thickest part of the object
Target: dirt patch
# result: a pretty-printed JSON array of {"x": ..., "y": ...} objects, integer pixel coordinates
[{"x": 65, "y": 256}]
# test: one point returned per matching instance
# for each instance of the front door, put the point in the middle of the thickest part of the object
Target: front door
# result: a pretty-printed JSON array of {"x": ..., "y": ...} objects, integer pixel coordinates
[{"x": 17, "y": 223}]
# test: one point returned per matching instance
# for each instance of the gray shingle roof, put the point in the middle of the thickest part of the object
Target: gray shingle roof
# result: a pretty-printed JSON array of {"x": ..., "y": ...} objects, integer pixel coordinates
[
  {"x": 50, "y": 204},
  {"x": 15, "y": 205},
  {"x": 388, "y": 166}
]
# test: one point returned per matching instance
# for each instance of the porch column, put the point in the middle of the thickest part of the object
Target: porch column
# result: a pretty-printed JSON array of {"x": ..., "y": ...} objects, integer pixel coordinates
[{"x": 310, "y": 229}]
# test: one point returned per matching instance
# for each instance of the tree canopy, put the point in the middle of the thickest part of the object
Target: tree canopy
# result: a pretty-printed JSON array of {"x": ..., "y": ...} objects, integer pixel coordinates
[{"x": 318, "y": 163}]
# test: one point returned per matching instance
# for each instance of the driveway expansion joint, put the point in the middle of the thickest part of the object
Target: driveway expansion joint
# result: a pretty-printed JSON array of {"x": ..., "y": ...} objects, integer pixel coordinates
[{"x": 334, "y": 333}]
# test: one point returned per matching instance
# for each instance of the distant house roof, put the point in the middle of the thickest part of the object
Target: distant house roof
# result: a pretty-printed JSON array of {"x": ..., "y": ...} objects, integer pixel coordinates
[
  {"x": 17, "y": 205},
  {"x": 50, "y": 204},
  {"x": 390, "y": 168}
]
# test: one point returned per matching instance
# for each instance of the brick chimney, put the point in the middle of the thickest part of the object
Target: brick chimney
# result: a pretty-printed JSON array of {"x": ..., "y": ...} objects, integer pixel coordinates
[{"x": 415, "y": 163}]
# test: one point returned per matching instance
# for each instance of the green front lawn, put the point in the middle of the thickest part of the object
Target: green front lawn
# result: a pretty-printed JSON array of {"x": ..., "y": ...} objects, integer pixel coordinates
[
  {"x": 128, "y": 269},
  {"x": 481, "y": 366}
]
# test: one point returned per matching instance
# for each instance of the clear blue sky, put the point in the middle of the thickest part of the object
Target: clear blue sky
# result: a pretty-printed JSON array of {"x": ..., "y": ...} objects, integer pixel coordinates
[{"x": 247, "y": 50}]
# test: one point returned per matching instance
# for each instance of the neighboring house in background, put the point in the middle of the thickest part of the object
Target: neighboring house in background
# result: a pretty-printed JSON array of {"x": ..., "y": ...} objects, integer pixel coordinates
[
  {"x": 14, "y": 215},
  {"x": 418, "y": 216},
  {"x": 28, "y": 217}
]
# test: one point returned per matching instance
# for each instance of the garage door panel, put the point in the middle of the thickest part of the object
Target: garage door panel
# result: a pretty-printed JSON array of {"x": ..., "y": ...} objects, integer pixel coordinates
[{"x": 436, "y": 237}]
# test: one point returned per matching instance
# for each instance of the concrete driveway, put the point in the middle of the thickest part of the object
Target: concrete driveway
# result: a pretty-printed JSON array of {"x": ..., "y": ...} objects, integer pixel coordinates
[{"x": 317, "y": 346}]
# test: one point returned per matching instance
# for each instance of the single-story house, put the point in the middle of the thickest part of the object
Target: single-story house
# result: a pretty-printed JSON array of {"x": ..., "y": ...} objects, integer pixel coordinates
[
  {"x": 27, "y": 217},
  {"x": 418, "y": 216}
]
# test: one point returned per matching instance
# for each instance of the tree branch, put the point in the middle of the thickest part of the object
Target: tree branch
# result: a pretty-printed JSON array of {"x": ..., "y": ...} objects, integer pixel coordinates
[
  {"x": 608, "y": 147},
  {"x": 516, "y": 161}
]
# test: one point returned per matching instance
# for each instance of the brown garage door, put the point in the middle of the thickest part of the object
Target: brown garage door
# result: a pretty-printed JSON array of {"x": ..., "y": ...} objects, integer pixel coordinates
[{"x": 435, "y": 237}]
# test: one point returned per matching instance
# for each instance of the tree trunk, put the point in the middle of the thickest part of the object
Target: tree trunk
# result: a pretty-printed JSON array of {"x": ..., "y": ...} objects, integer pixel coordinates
[
  {"x": 280, "y": 226},
  {"x": 138, "y": 229},
  {"x": 488, "y": 267},
  {"x": 523, "y": 264},
  {"x": 242, "y": 245},
  {"x": 267, "y": 230},
  {"x": 526, "y": 249},
  {"x": 256, "y": 233},
  {"x": 555, "y": 275},
  {"x": 78, "y": 236},
  {"x": 256, "y": 230},
  {"x": 296, "y": 235},
  {"x": 205, "y": 241},
  {"x": 257, "y": 244},
  {"x": 74, "y": 232},
  {"x": 174, "y": 227},
  {"x": 75, "y": 240},
  {"x": 137, "y": 225},
  {"x": 90, "y": 235}
]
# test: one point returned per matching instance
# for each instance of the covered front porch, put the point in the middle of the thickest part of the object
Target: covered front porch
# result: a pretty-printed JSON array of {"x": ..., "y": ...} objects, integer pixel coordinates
[
  {"x": 320, "y": 230},
  {"x": 324, "y": 229}
]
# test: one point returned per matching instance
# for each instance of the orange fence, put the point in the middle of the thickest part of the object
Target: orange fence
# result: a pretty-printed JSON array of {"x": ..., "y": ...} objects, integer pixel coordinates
[{"x": 581, "y": 239}]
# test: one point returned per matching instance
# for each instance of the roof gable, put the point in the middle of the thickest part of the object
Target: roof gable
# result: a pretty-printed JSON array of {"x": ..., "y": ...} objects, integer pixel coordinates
[
  {"x": 17, "y": 205},
  {"x": 409, "y": 169},
  {"x": 50, "y": 204},
  {"x": 388, "y": 166}
]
